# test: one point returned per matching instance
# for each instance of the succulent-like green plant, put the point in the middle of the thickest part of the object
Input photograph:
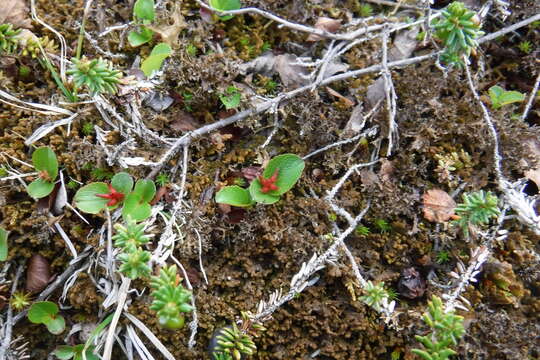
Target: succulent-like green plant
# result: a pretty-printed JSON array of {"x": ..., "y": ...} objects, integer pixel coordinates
[
  {"x": 45, "y": 162},
  {"x": 477, "y": 209},
  {"x": 97, "y": 75},
  {"x": 19, "y": 300},
  {"x": 375, "y": 294},
  {"x": 171, "y": 300},
  {"x": 447, "y": 330},
  {"x": 130, "y": 239},
  {"x": 8, "y": 38},
  {"x": 458, "y": 29},
  {"x": 279, "y": 176},
  {"x": 46, "y": 312},
  {"x": 233, "y": 342}
]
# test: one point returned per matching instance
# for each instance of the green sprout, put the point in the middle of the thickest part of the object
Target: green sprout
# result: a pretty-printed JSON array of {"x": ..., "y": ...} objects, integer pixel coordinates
[
  {"x": 3, "y": 244},
  {"x": 45, "y": 162},
  {"x": 525, "y": 46},
  {"x": 447, "y": 329},
  {"x": 130, "y": 239},
  {"x": 143, "y": 14},
  {"x": 442, "y": 257},
  {"x": 88, "y": 128},
  {"x": 3, "y": 172},
  {"x": 382, "y": 225},
  {"x": 100, "y": 174},
  {"x": 361, "y": 230},
  {"x": 279, "y": 176},
  {"x": 154, "y": 61},
  {"x": 97, "y": 75},
  {"x": 458, "y": 30},
  {"x": 46, "y": 312},
  {"x": 376, "y": 294},
  {"x": 162, "y": 179},
  {"x": 191, "y": 50},
  {"x": 231, "y": 98},
  {"x": 234, "y": 342},
  {"x": 66, "y": 352},
  {"x": 8, "y": 38},
  {"x": 477, "y": 209},
  {"x": 98, "y": 196},
  {"x": 20, "y": 300},
  {"x": 500, "y": 97},
  {"x": 222, "y": 356},
  {"x": 170, "y": 298},
  {"x": 365, "y": 10}
]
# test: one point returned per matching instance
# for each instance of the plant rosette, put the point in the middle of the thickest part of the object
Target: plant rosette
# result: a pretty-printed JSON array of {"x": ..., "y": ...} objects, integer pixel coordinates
[
  {"x": 279, "y": 176},
  {"x": 95, "y": 197},
  {"x": 46, "y": 312},
  {"x": 45, "y": 162},
  {"x": 66, "y": 352}
]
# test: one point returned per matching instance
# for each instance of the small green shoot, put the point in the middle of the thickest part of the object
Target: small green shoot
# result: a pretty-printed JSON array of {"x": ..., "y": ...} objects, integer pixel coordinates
[
  {"x": 361, "y": 230},
  {"x": 153, "y": 62},
  {"x": 376, "y": 295},
  {"x": 500, "y": 97},
  {"x": 191, "y": 50},
  {"x": 20, "y": 300},
  {"x": 477, "y": 209},
  {"x": 447, "y": 330},
  {"x": 144, "y": 14},
  {"x": 382, "y": 225},
  {"x": 442, "y": 257},
  {"x": 233, "y": 343},
  {"x": 46, "y": 312},
  {"x": 162, "y": 179},
  {"x": 97, "y": 75},
  {"x": 231, "y": 98},
  {"x": 130, "y": 239},
  {"x": 45, "y": 162},
  {"x": 279, "y": 176},
  {"x": 525, "y": 46},
  {"x": 3, "y": 244},
  {"x": 88, "y": 129},
  {"x": 365, "y": 10},
  {"x": 225, "y": 5},
  {"x": 66, "y": 352},
  {"x": 170, "y": 298},
  {"x": 8, "y": 38}
]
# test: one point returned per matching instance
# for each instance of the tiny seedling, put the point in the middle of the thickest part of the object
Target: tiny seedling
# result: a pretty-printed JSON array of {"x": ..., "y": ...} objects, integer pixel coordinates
[
  {"x": 447, "y": 329},
  {"x": 66, "y": 352},
  {"x": 95, "y": 197},
  {"x": 500, "y": 97},
  {"x": 365, "y": 10},
  {"x": 162, "y": 179},
  {"x": 376, "y": 295},
  {"x": 130, "y": 239},
  {"x": 382, "y": 225},
  {"x": 46, "y": 312},
  {"x": 154, "y": 61},
  {"x": 3, "y": 244},
  {"x": 525, "y": 46},
  {"x": 19, "y": 300},
  {"x": 231, "y": 98},
  {"x": 97, "y": 75},
  {"x": 442, "y": 257},
  {"x": 361, "y": 230},
  {"x": 45, "y": 162},
  {"x": 144, "y": 14},
  {"x": 171, "y": 300},
  {"x": 8, "y": 38},
  {"x": 477, "y": 209},
  {"x": 225, "y": 5},
  {"x": 458, "y": 29},
  {"x": 279, "y": 176}
]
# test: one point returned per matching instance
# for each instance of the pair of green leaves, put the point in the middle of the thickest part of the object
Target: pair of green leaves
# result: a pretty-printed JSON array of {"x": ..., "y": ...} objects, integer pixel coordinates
[
  {"x": 289, "y": 168},
  {"x": 231, "y": 98},
  {"x": 144, "y": 14},
  {"x": 500, "y": 97},
  {"x": 136, "y": 202},
  {"x": 46, "y": 312},
  {"x": 45, "y": 162}
]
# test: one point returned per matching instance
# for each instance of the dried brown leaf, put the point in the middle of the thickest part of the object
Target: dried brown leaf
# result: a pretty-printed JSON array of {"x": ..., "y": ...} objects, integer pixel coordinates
[
  {"x": 184, "y": 122},
  {"x": 325, "y": 24},
  {"x": 38, "y": 274},
  {"x": 438, "y": 206},
  {"x": 290, "y": 72},
  {"x": 15, "y": 12}
]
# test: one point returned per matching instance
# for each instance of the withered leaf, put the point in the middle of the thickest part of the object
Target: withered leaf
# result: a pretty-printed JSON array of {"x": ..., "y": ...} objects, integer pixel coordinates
[
  {"x": 184, "y": 122},
  {"x": 38, "y": 274},
  {"x": 326, "y": 24},
  {"x": 15, "y": 12},
  {"x": 438, "y": 206}
]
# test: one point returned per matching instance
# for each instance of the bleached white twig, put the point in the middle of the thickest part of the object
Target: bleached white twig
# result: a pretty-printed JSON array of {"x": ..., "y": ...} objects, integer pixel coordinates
[
  {"x": 369, "y": 132},
  {"x": 390, "y": 96},
  {"x": 121, "y": 300},
  {"x": 150, "y": 335},
  {"x": 531, "y": 98},
  {"x": 8, "y": 326}
]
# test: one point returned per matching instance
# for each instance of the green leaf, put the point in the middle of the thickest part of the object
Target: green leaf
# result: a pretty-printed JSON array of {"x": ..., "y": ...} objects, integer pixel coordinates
[
  {"x": 231, "y": 99},
  {"x": 3, "y": 244},
  {"x": 136, "y": 207},
  {"x": 146, "y": 189},
  {"x": 56, "y": 325},
  {"x": 96, "y": 332},
  {"x": 137, "y": 38},
  {"x": 289, "y": 166},
  {"x": 64, "y": 352},
  {"x": 260, "y": 197},
  {"x": 86, "y": 199},
  {"x": 144, "y": 10},
  {"x": 79, "y": 349},
  {"x": 153, "y": 62},
  {"x": 122, "y": 182},
  {"x": 224, "y": 5},
  {"x": 44, "y": 159},
  {"x": 42, "y": 312},
  {"x": 500, "y": 97},
  {"x": 39, "y": 188},
  {"x": 422, "y": 353},
  {"x": 235, "y": 196}
]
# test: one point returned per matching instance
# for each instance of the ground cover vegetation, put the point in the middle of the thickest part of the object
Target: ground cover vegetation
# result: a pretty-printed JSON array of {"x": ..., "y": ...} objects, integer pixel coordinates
[{"x": 257, "y": 179}]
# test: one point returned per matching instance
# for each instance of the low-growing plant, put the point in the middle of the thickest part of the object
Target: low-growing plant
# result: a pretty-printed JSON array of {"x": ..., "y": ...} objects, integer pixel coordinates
[
  {"x": 20, "y": 300},
  {"x": 365, "y": 10},
  {"x": 477, "y": 209},
  {"x": 500, "y": 97},
  {"x": 3, "y": 244},
  {"x": 231, "y": 98},
  {"x": 97, "y": 75},
  {"x": 130, "y": 238},
  {"x": 95, "y": 197},
  {"x": 171, "y": 300},
  {"x": 442, "y": 257},
  {"x": 46, "y": 312},
  {"x": 45, "y": 162},
  {"x": 458, "y": 29},
  {"x": 66, "y": 352},
  {"x": 233, "y": 343},
  {"x": 162, "y": 179},
  {"x": 225, "y": 5},
  {"x": 154, "y": 61},
  {"x": 361, "y": 230},
  {"x": 8, "y": 38},
  {"x": 376, "y": 294},
  {"x": 143, "y": 14},
  {"x": 382, "y": 225},
  {"x": 447, "y": 330},
  {"x": 279, "y": 176},
  {"x": 525, "y": 46}
]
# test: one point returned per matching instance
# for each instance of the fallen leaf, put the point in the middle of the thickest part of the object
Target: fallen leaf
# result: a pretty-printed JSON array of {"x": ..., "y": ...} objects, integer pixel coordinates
[
  {"x": 184, "y": 122},
  {"x": 438, "y": 206},
  {"x": 290, "y": 72},
  {"x": 357, "y": 121},
  {"x": 263, "y": 64},
  {"x": 346, "y": 101},
  {"x": 38, "y": 274},
  {"x": 325, "y": 24},
  {"x": 15, "y": 12}
]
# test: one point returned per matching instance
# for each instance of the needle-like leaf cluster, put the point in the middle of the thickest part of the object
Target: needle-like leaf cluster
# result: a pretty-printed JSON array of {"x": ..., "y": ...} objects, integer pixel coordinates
[
  {"x": 235, "y": 343},
  {"x": 130, "y": 239},
  {"x": 8, "y": 38},
  {"x": 97, "y": 75},
  {"x": 477, "y": 209}
]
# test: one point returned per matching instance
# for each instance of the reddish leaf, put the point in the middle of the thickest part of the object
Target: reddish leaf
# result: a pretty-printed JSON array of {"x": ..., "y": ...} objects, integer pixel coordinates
[{"x": 438, "y": 206}]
